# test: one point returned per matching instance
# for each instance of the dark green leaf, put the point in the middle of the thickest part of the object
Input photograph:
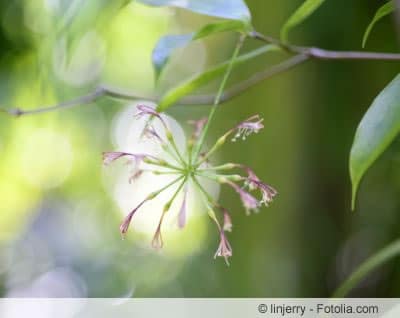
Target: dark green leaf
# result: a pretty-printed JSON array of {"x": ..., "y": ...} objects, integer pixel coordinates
[
  {"x": 302, "y": 13},
  {"x": 378, "y": 128},
  {"x": 232, "y": 9},
  {"x": 169, "y": 43},
  {"x": 383, "y": 11},
  {"x": 370, "y": 264},
  {"x": 199, "y": 80}
]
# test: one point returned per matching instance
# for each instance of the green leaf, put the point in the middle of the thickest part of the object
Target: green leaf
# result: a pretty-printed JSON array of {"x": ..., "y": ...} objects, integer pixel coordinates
[
  {"x": 169, "y": 43},
  {"x": 302, "y": 13},
  {"x": 232, "y": 9},
  {"x": 378, "y": 128},
  {"x": 195, "y": 82},
  {"x": 380, "y": 258},
  {"x": 219, "y": 27},
  {"x": 383, "y": 11}
]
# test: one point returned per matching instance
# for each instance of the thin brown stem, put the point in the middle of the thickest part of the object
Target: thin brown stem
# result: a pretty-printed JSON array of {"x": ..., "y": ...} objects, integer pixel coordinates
[
  {"x": 85, "y": 99},
  {"x": 322, "y": 54},
  {"x": 255, "y": 79},
  {"x": 103, "y": 91},
  {"x": 302, "y": 54}
]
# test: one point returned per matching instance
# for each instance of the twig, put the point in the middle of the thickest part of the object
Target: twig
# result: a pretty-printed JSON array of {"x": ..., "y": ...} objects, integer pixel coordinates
[
  {"x": 302, "y": 54},
  {"x": 103, "y": 91},
  {"x": 85, "y": 99},
  {"x": 322, "y": 54},
  {"x": 240, "y": 88}
]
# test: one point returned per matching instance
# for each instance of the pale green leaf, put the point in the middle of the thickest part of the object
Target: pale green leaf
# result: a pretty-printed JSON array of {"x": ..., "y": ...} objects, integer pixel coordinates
[
  {"x": 302, "y": 13},
  {"x": 164, "y": 49},
  {"x": 166, "y": 46},
  {"x": 376, "y": 131},
  {"x": 232, "y": 9},
  {"x": 383, "y": 11}
]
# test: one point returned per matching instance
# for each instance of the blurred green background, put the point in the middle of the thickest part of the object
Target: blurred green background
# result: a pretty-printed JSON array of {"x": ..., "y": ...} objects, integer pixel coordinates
[{"x": 58, "y": 222}]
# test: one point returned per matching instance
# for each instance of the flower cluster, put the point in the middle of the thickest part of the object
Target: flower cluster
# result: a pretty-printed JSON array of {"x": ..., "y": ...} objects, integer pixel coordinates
[{"x": 189, "y": 166}]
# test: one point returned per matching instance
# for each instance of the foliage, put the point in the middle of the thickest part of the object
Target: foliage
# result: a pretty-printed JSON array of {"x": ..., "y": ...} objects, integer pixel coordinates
[
  {"x": 383, "y": 11},
  {"x": 376, "y": 131},
  {"x": 301, "y": 14},
  {"x": 167, "y": 44}
]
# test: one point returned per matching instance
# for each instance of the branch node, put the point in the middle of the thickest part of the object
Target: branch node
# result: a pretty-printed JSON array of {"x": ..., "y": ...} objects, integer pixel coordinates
[{"x": 16, "y": 112}]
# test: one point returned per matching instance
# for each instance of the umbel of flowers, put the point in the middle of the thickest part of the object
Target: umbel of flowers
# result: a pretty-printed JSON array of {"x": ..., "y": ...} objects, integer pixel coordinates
[{"x": 189, "y": 166}]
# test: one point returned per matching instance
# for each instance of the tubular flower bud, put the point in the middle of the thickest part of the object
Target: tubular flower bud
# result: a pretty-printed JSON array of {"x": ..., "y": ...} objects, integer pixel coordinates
[
  {"x": 248, "y": 127},
  {"x": 182, "y": 211},
  {"x": 224, "y": 248}
]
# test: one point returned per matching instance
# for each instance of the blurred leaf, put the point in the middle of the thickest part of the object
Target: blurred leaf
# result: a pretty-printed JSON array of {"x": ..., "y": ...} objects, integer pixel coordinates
[
  {"x": 378, "y": 128},
  {"x": 169, "y": 43},
  {"x": 199, "y": 80},
  {"x": 383, "y": 11},
  {"x": 78, "y": 17},
  {"x": 372, "y": 263},
  {"x": 164, "y": 49},
  {"x": 302, "y": 13},
  {"x": 232, "y": 9}
]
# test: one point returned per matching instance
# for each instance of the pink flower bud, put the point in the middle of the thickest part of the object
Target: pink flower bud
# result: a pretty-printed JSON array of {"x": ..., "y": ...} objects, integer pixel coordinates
[
  {"x": 224, "y": 248},
  {"x": 248, "y": 127},
  {"x": 198, "y": 126},
  {"x": 123, "y": 228},
  {"x": 227, "y": 226},
  {"x": 249, "y": 202},
  {"x": 145, "y": 110},
  {"x": 182, "y": 212},
  {"x": 157, "y": 242}
]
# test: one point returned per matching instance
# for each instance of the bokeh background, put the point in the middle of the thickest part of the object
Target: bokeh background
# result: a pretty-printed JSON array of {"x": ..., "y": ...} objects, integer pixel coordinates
[{"x": 59, "y": 222}]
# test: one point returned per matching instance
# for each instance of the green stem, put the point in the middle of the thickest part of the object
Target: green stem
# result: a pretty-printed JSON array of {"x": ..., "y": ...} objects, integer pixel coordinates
[
  {"x": 174, "y": 146},
  {"x": 205, "y": 193},
  {"x": 226, "y": 166},
  {"x": 199, "y": 145},
  {"x": 190, "y": 151},
  {"x": 163, "y": 164},
  {"x": 376, "y": 260},
  {"x": 162, "y": 172},
  {"x": 213, "y": 149},
  {"x": 169, "y": 203},
  {"x": 219, "y": 177},
  {"x": 156, "y": 193},
  {"x": 172, "y": 154},
  {"x": 210, "y": 201}
]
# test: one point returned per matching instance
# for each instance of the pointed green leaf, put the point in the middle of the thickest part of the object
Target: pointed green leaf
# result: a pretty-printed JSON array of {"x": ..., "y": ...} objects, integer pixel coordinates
[
  {"x": 302, "y": 13},
  {"x": 232, "y": 9},
  {"x": 219, "y": 27},
  {"x": 383, "y": 11},
  {"x": 376, "y": 131},
  {"x": 370, "y": 264},
  {"x": 195, "y": 82},
  {"x": 166, "y": 46}
]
